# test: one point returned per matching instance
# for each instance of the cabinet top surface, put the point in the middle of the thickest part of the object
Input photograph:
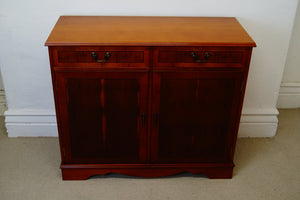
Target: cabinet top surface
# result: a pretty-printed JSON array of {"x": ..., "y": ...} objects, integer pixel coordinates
[{"x": 148, "y": 31}]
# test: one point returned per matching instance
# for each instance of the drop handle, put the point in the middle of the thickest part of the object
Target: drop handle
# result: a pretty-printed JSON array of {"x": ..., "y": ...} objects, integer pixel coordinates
[
  {"x": 106, "y": 57},
  {"x": 195, "y": 56}
]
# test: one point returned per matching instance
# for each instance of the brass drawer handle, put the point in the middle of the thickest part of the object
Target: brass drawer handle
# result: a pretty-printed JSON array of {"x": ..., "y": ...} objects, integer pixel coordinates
[
  {"x": 195, "y": 56},
  {"x": 106, "y": 57}
]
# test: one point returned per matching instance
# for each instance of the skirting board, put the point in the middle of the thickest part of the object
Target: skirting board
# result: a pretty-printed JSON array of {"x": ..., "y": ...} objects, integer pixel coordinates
[
  {"x": 3, "y": 106},
  {"x": 30, "y": 123},
  {"x": 289, "y": 95}
]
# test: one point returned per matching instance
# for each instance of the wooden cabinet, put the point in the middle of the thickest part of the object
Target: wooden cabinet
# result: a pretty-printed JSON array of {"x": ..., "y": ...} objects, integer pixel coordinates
[{"x": 133, "y": 99}]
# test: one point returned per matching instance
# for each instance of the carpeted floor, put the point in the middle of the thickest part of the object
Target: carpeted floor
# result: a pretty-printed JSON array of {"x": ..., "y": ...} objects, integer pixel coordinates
[{"x": 266, "y": 168}]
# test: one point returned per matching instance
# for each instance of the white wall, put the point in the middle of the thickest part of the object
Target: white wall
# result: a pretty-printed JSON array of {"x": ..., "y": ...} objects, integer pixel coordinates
[
  {"x": 25, "y": 25},
  {"x": 289, "y": 94},
  {"x": 3, "y": 107}
]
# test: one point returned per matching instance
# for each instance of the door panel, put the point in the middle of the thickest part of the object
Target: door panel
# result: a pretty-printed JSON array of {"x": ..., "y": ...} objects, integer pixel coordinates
[
  {"x": 196, "y": 115},
  {"x": 102, "y": 114}
]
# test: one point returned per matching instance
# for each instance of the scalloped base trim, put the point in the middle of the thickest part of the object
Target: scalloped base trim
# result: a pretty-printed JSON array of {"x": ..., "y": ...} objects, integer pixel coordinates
[{"x": 83, "y": 172}]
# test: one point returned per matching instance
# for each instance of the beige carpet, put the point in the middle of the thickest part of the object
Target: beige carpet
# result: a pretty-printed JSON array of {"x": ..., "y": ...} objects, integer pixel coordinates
[{"x": 265, "y": 169}]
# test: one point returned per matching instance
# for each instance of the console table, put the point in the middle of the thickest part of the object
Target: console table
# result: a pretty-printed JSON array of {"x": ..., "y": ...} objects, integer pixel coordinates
[{"x": 148, "y": 96}]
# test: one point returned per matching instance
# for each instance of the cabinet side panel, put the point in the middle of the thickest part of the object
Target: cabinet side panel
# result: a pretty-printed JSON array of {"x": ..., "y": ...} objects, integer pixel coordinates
[{"x": 56, "y": 101}]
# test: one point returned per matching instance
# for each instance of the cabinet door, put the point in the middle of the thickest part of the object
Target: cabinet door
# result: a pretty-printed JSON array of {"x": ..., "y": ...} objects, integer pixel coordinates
[
  {"x": 102, "y": 116},
  {"x": 194, "y": 116}
]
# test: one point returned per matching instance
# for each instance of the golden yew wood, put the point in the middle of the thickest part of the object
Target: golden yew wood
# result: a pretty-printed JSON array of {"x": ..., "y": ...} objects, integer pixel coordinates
[{"x": 148, "y": 31}]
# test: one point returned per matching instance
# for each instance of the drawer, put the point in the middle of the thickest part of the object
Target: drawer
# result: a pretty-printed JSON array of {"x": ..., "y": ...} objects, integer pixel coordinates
[
  {"x": 200, "y": 57},
  {"x": 100, "y": 57}
]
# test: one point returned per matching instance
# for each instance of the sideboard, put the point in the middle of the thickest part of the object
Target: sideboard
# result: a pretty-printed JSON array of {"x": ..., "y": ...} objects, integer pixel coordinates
[{"x": 148, "y": 96}]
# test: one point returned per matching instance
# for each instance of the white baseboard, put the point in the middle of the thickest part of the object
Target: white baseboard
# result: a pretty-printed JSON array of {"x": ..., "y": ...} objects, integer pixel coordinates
[
  {"x": 42, "y": 123},
  {"x": 30, "y": 123},
  {"x": 289, "y": 95},
  {"x": 258, "y": 123},
  {"x": 3, "y": 106}
]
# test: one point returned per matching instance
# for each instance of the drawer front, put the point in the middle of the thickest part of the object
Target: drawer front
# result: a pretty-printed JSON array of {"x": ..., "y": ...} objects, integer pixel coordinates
[
  {"x": 101, "y": 57},
  {"x": 200, "y": 57}
]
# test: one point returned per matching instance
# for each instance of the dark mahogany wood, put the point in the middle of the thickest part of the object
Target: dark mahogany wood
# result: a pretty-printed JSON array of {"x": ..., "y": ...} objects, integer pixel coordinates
[
  {"x": 120, "y": 57},
  {"x": 102, "y": 116},
  {"x": 84, "y": 171},
  {"x": 151, "y": 109},
  {"x": 219, "y": 57},
  {"x": 196, "y": 114}
]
